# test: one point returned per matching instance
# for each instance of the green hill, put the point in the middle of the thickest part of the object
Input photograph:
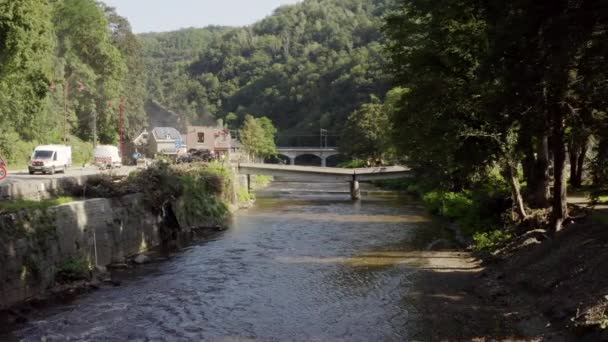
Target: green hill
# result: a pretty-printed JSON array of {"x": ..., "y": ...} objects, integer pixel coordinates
[{"x": 306, "y": 66}]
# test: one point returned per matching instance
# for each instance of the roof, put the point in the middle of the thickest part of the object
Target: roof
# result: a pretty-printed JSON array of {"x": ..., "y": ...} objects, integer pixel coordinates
[{"x": 166, "y": 133}]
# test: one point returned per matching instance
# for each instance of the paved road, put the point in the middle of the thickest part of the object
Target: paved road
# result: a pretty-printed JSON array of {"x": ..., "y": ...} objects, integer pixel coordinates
[{"x": 24, "y": 176}]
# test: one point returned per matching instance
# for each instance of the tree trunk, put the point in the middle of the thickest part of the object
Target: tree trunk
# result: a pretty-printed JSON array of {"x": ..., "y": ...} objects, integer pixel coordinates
[
  {"x": 573, "y": 153},
  {"x": 510, "y": 173},
  {"x": 539, "y": 186},
  {"x": 559, "y": 200},
  {"x": 581, "y": 162},
  {"x": 578, "y": 151}
]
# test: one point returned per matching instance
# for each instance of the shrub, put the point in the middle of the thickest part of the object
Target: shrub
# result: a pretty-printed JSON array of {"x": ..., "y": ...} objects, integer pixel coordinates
[
  {"x": 489, "y": 241},
  {"x": 353, "y": 164},
  {"x": 73, "y": 269},
  {"x": 10, "y": 206},
  {"x": 262, "y": 181},
  {"x": 244, "y": 195}
]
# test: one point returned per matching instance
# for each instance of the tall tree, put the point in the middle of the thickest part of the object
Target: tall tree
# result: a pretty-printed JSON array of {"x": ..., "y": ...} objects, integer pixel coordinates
[
  {"x": 258, "y": 137},
  {"x": 26, "y": 49}
]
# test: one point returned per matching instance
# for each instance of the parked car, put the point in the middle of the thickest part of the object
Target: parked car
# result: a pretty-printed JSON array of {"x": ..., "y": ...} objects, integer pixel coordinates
[
  {"x": 196, "y": 156},
  {"x": 107, "y": 157},
  {"x": 3, "y": 171},
  {"x": 50, "y": 159}
]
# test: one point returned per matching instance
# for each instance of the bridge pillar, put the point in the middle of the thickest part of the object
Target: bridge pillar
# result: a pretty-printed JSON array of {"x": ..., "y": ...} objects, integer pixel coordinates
[
  {"x": 292, "y": 160},
  {"x": 323, "y": 161},
  {"x": 355, "y": 190}
]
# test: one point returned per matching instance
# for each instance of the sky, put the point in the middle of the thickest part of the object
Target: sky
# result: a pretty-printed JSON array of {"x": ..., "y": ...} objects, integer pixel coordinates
[{"x": 170, "y": 15}]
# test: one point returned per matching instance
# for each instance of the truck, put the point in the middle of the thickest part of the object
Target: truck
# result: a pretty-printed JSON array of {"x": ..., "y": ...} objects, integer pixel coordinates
[
  {"x": 107, "y": 157},
  {"x": 50, "y": 159}
]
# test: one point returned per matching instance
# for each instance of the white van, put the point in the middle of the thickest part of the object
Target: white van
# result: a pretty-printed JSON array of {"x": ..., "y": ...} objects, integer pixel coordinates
[
  {"x": 50, "y": 159},
  {"x": 107, "y": 156}
]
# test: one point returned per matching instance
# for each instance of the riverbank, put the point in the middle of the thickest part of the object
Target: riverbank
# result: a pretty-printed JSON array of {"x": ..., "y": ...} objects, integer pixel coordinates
[
  {"x": 46, "y": 248},
  {"x": 457, "y": 297},
  {"x": 530, "y": 287}
]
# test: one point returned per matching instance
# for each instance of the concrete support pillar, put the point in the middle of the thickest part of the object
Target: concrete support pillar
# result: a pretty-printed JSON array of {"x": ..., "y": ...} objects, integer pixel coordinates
[
  {"x": 292, "y": 160},
  {"x": 323, "y": 162},
  {"x": 355, "y": 190}
]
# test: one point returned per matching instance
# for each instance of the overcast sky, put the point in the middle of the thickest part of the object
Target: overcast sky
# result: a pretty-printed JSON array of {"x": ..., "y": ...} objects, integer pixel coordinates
[{"x": 169, "y": 15}]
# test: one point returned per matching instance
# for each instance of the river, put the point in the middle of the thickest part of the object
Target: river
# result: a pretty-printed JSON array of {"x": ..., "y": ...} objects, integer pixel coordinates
[{"x": 311, "y": 266}]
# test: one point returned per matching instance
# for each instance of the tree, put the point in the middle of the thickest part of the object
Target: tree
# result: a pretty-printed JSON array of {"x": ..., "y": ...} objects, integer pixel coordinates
[
  {"x": 498, "y": 84},
  {"x": 307, "y": 65},
  {"x": 258, "y": 137},
  {"x": 367, "y": 133},
  {"x": 26, "y": 49}
]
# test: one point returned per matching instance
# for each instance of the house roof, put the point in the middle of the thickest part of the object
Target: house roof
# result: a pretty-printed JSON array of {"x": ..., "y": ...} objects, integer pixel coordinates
[{"x": 166, "y": 133}]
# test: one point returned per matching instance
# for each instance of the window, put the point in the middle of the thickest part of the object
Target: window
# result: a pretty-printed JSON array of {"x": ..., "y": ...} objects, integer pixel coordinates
[{"x": 201, "y": 137}]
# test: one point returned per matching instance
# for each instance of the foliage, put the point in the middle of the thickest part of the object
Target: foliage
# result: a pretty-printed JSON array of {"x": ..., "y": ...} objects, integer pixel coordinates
[
  {"x": 73, "y": 269},
  {"x": 498, "y": 85},
  {"x": 63, "y": 64},
  {"x": 305, "y": 66},
  {"x": 490, "y": 241},
  {"x": 258, "y": 137},
  {"x": 366, "y": 133},
  {"x": 244, "y": 195},
  {"x": 353, "y": 164},
  {"x": 473, "y": 212},
  {"x": 10, "y": 206},
  {"x": 26, "y": 47},
  {"x": 261, "y": 181}
]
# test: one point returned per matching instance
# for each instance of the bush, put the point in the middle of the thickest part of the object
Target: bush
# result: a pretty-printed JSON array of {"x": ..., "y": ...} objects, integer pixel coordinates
[
  {"x": 353, "y": 164},
  {"x": 261, "y": 181},
  {"x": 74, "y": 269},
  {"x": 490, "y": 241},
  {"x": 463, "y": 208},
  {"x": 244, "y": 195},
  {"x": 10, "y": 206}
]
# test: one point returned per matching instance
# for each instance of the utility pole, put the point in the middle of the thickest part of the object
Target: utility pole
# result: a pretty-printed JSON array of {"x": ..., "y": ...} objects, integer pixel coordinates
[
  {"x": 65, "y": 111},
  {"x": 94, "y": 128},
  {"x": 122, "y": 111},
  {"x": 323, "y": 142}
]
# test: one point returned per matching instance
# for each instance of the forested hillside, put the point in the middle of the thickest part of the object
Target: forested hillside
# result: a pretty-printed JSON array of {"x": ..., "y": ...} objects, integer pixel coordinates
[
  {"x": 62, "y": 65},
  {"x": 306, "y": 66}
]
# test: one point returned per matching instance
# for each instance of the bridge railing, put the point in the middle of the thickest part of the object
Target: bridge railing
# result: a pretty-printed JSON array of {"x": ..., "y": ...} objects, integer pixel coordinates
[{"x": 311, "y": 141}]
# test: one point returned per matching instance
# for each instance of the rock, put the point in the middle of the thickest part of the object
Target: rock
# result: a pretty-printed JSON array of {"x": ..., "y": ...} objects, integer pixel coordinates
[
  {"x": 141, "y": 259},
  {"x": 101, "y": 269}
]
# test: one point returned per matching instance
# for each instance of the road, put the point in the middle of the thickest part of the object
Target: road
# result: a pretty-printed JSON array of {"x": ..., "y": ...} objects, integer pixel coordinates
[{"x": 22, "y": 176}]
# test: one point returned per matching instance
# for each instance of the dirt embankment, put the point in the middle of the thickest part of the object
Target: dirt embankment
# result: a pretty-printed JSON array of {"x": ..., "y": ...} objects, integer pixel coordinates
[
  {"x": 564, "y": 278},
  {"x": 535, "y": 289}
]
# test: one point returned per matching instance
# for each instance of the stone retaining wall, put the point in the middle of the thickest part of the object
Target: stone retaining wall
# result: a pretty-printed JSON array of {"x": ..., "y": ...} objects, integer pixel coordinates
[
  {"x": 39, "y": 189},
  {"x": 34, "y": 244}
]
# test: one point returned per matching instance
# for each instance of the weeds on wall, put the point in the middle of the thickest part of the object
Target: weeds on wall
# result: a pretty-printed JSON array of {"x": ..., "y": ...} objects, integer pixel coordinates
[{"x": 73, "y": 269}]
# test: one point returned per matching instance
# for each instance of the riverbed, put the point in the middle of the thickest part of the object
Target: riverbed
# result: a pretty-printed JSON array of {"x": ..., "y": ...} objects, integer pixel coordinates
[{"x": 304, "y": 263}]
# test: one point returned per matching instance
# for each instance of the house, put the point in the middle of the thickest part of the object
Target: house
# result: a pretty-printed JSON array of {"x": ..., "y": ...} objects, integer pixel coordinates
[
  {"x": 164, "y": 141},
  {"x": 216, "y": 139}
]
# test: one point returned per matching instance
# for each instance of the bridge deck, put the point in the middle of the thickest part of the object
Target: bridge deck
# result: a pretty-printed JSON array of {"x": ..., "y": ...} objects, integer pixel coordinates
[{"x": 333, "y": 173}]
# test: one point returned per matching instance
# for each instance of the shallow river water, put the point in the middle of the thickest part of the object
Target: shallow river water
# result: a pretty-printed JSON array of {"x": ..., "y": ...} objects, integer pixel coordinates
[{"x": 311, "y": 266}]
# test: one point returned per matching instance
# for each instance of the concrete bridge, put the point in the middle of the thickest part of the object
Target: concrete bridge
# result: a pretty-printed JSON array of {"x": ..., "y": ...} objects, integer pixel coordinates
[
  {"x": 352, "y": 176},
  {"x": 323, "y": 153}
]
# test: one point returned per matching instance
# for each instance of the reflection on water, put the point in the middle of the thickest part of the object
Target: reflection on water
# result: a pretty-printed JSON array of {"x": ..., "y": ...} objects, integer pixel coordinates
[{"x": 307, "y": 266}]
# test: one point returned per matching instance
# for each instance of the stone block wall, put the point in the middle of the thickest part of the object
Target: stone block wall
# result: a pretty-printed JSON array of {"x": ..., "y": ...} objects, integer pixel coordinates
[{"x": 34, "y": 244}]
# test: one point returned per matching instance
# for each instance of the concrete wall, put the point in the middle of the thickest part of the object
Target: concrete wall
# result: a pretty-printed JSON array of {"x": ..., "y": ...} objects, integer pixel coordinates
[
  {"x": 39, "y": 189},
  {"x": 34, "y": 244}
]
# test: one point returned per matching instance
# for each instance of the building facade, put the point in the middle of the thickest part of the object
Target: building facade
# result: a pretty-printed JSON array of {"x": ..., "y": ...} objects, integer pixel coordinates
[{"x": 216, "y": 139}]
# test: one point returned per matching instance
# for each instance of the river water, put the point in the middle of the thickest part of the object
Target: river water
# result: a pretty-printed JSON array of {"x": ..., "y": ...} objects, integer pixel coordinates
[{"x": 311, "y": 266}]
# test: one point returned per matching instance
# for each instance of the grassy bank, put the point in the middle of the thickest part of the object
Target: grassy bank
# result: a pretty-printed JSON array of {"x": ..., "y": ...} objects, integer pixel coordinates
[{"x": 480, "y": 213}]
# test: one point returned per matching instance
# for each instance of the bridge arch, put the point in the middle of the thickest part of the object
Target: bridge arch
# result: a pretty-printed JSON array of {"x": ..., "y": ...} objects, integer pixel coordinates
[{"x": 308, "y": 159}]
